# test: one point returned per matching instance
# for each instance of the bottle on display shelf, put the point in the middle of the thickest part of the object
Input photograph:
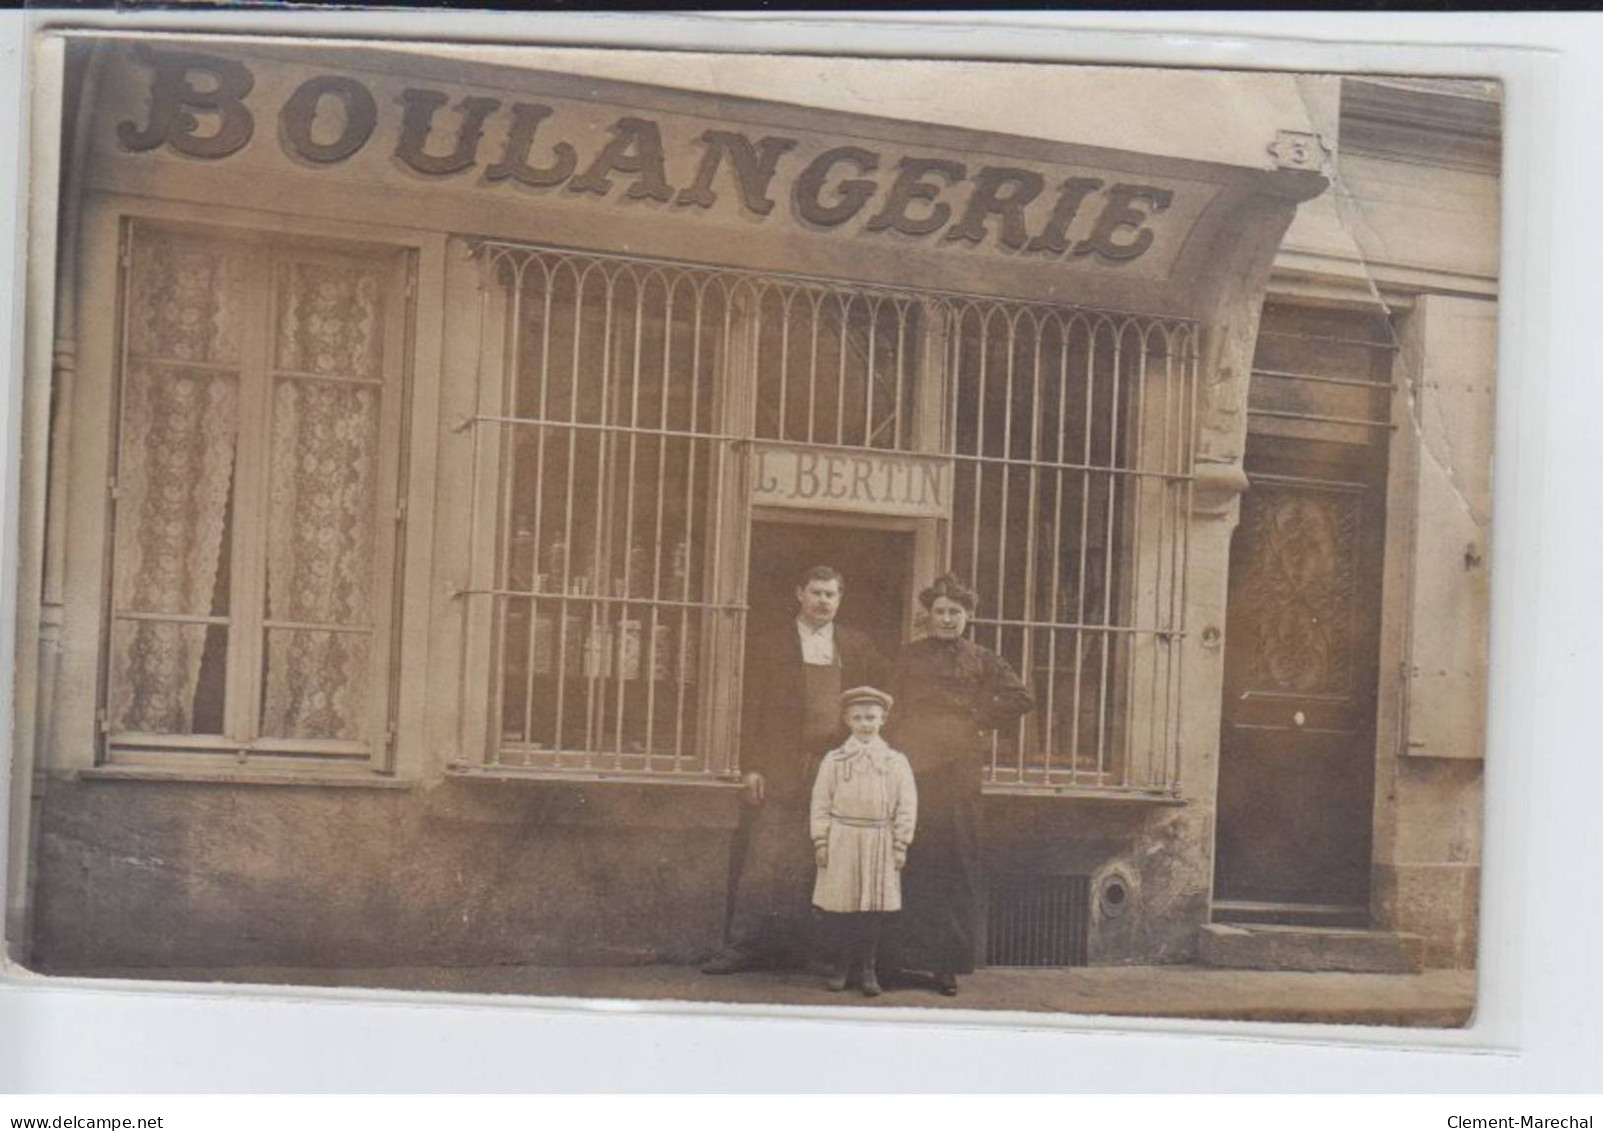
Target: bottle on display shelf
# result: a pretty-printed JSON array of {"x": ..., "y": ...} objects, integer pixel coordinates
[
  {"x": 540, "y": 648},
  {"x": 556, "y": 565},
  {"x": 680, "y": 568},
  {"x": 521, "y": 570},
  {"x": 687, "y": 654},
  {"x": 629, "y": 648},
  {"x": 598, "y": 654},
  {"x": 571, "y": 648},
  {"x": 684, "y": 628},
  {"x": 639, "y": 576},
  {"x": 661, "y": 651}
]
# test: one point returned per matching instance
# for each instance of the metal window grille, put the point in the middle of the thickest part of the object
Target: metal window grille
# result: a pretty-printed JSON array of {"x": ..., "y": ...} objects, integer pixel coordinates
[
  {"x": 1073, "y": 436},
  {"x": 835, "y": 366},
  {"x": 627, "y": 386},
  {"x": 611, "y": 461},
  {"x": 1038, "y": 920},
  {"x": 612, "y": 438}
]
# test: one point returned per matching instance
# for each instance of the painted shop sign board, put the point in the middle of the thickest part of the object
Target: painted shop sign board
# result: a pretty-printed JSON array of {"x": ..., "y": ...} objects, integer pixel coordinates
[
  {"x": 492, "y": 151},
  {"x": 864, "y": 482},
  {"x": 329, "y": 119}
]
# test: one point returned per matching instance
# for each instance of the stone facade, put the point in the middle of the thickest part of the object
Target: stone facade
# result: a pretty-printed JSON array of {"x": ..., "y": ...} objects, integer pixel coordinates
[{"x": 146, "y": 865}]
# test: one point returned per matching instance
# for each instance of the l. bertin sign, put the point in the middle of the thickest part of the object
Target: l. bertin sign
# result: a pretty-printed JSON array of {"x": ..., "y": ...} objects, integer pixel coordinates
[
  {"x": 817, "y": 477},
  {"x": 210, "y": 108}
]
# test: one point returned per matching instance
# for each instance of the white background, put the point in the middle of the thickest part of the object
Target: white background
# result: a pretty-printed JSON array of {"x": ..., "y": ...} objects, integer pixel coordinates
[{"x": 1539, "y": 1026}]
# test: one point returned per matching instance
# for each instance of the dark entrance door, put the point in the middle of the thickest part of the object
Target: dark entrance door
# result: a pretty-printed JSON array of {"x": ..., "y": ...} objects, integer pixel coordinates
[
  {"x": 1297, "y": 753},
  {"x": 876, "y": 563}
]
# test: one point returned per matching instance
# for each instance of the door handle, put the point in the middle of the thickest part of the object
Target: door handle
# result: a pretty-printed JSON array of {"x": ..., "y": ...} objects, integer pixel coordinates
[{"x": 1298, "y": 719}]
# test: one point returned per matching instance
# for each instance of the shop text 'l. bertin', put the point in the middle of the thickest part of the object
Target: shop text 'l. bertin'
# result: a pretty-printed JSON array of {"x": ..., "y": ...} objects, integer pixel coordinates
[{"x": 199, "y": 106}]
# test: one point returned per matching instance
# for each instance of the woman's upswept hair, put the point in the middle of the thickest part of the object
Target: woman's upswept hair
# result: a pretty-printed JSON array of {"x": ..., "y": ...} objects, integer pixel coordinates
[{"x": 950, "y": 586}]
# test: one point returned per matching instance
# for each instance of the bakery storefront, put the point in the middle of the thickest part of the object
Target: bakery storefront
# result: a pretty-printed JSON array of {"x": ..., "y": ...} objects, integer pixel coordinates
[{"x": 426, "y": 431}]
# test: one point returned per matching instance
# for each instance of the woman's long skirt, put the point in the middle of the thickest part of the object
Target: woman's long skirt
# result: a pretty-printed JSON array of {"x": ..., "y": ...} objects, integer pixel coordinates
[{"x": 941, "y": 884}]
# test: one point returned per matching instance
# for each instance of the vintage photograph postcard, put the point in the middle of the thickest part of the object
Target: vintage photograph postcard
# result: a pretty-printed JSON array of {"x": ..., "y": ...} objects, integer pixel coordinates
[{"x": 783, "y": 530}]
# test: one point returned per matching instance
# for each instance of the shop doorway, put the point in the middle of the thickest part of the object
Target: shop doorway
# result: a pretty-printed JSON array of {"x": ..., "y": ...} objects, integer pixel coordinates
[
  {"x": 1302, "y": 654},
  {"x": 876, "y": 562}
]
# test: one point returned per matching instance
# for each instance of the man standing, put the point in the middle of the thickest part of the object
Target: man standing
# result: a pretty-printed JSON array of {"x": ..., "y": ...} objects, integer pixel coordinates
[{"x": 795, "y": 672}]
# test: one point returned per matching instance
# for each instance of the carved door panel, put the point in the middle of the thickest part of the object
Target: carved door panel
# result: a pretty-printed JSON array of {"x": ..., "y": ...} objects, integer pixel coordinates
[
  {"x": 1297, "y": 768},
  {"x": 1297, "y": 752}
]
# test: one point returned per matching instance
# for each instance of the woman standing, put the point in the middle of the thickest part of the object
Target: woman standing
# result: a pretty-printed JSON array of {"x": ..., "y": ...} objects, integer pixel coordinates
[{"x": 950, "y": 693}]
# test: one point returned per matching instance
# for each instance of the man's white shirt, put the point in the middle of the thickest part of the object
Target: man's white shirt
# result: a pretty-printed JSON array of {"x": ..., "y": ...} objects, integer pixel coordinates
[{"x": 817, "y": 644}]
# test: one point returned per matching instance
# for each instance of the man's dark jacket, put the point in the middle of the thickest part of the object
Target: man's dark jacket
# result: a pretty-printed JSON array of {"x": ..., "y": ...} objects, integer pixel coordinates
[{"x": 775, "y": 687}]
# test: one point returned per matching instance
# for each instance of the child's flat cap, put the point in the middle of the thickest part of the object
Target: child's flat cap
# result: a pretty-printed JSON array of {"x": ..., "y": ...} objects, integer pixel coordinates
[{"x": 865, "y": 695}]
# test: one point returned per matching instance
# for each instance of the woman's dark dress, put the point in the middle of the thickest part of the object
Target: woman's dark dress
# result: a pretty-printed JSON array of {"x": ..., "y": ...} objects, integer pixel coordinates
[{"x": 949, "y": 695}]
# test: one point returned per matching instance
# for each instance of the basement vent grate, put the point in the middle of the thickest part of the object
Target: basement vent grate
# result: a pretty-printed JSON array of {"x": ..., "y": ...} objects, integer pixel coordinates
[{"x": 1038, "y": 920}]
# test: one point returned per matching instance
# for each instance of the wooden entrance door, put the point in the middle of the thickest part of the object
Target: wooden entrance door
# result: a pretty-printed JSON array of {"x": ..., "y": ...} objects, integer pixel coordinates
[{"x": 1297, "y": 755}]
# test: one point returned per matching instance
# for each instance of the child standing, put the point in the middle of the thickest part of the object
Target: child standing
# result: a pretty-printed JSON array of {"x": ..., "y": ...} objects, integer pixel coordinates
[{"x": 863, "y": 813}]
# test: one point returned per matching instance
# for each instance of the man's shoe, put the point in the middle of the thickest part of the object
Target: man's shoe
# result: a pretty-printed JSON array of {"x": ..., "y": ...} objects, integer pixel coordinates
[
  {"x": 946, "y": 985},
  {"x": 870, "y": 982},
  {"x": 838, "y": 976},
  {"x": 729, "y": 962}
]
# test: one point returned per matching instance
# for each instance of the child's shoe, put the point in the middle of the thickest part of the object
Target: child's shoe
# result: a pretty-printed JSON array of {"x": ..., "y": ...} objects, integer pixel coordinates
[
  {"x": 840, "y": 971},
  {"x": 870, "y": 979}
]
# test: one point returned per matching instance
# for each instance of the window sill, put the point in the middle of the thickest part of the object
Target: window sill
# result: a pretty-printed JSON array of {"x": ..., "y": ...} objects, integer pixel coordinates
[
  {"x": 1087, "y": 793},
  {"x": 471, "y": 772},
  {"x": 316, "y": 779}
]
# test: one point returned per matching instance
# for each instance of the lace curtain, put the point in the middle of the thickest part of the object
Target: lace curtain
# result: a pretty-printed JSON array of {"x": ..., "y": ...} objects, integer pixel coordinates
[
  {"x": 189, "y": 302},
  {"x": 175, "y": 471},
  {"x": 321, "y": 537}
]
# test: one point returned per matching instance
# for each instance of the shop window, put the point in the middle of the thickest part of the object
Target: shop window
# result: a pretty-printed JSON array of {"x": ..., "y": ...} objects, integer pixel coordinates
[
  {"x": 606, "y": 442},
  {"x": 617, "y": 403},
  {"x": 1072, "y": 440},
  {"x": 254, "y": 501}
]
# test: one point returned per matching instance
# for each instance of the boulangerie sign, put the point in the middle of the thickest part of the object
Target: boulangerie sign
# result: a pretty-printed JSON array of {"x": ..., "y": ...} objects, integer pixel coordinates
[
  {"x": 507, "y": 152},
  {"x": 210, "y": 107}
]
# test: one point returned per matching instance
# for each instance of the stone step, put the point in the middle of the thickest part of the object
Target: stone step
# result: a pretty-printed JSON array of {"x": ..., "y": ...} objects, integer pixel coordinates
[
  {"x": 1290, "y": 914},
  {"x": 1274, "y": 946}
]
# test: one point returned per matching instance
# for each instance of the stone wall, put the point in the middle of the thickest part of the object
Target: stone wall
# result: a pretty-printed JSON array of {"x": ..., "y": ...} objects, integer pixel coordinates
[
  {"x": 154, "y": 874},
  {"x": 1432, "y": 731},
  {"x": 466, "y": 873}
]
